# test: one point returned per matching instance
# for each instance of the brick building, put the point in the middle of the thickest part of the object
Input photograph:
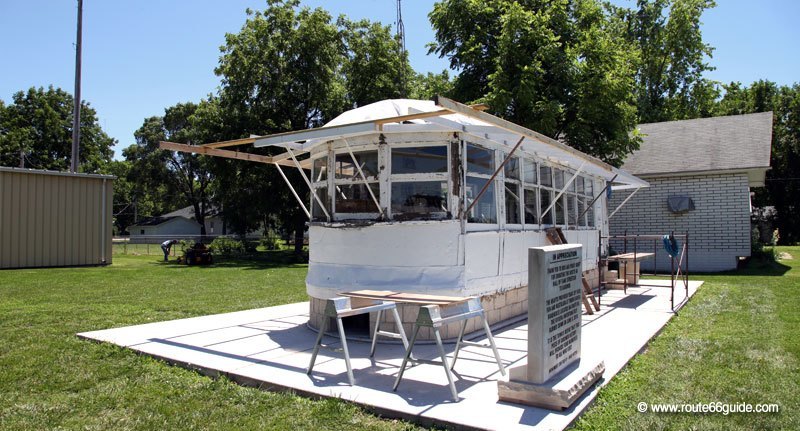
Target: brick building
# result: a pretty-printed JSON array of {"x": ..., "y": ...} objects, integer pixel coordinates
[{"x": 700, "y": 173}]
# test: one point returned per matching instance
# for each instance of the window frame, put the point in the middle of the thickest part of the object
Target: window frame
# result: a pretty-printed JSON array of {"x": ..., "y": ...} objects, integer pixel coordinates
[
  {"x": 392, "y": 178},
  {"x": 356, "y": 180},
  {"x": 497, "y": 201}
]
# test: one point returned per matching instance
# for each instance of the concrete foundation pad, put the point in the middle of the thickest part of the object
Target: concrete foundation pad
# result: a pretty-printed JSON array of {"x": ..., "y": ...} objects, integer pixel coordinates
[
  {"x": 270, "y": 348},
  {"x": 558, "y": 393}
]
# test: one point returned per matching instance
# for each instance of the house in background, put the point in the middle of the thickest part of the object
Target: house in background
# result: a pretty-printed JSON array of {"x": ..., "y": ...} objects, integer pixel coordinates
[
  {"x": 700, "y": 173},
  {"x": 178, "y": 223}
]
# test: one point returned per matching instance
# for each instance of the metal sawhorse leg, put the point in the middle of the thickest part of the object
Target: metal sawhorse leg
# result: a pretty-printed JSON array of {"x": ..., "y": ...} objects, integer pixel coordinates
[
  {"x": 339, "y": 308},
  {"x": 434, "y": 316}
]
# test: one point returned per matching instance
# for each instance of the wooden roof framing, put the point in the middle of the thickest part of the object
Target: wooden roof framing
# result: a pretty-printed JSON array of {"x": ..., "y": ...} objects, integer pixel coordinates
[{"x": 280, "y": 159}]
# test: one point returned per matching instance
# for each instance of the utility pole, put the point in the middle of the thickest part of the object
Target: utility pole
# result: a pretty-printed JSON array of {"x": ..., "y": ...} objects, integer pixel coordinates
[{"x": 76, "y": 113}]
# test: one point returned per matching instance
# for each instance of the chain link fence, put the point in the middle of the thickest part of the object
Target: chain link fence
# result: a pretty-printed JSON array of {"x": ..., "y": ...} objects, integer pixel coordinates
[{"x": 151, "y": 244}]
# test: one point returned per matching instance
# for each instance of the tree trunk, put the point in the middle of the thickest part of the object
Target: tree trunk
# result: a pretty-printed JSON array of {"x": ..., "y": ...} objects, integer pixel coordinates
[
  {"x": 299, "y": 229},
  {"x": 200, "y": 217}
]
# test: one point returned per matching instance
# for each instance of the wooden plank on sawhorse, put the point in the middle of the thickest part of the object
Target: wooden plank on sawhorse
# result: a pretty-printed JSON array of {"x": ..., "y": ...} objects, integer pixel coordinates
[{"x": 556, "y": 237}]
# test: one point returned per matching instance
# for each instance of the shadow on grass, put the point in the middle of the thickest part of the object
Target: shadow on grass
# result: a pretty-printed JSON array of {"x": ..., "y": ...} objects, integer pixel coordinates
[
  {"x": 255, "y": 261},
  {"x": 755, "y": 267}
]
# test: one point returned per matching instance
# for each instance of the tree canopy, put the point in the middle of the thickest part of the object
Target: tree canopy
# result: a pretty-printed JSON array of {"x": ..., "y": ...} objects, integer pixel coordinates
[
  {"x": 670, "y": 81},
  {"x": 185, "y": 175},
  {"x": 36, "y": 132},
  {"x": 559, "y": 68}
]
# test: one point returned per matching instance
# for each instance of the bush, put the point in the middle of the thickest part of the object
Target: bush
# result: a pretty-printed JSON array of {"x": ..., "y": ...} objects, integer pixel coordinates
[
  {"x": 222, "y": 246},
  {"x": 185, "y": 245},
  {"x": 759, "y": 249},
  {"x": 270, "y": 242}
]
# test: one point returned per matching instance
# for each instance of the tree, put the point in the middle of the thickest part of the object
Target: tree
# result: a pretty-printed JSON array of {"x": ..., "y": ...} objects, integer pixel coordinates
[
  {"x": 292, "y": 68},
  {"x": 188, "y": 175},
  {"x": 558, "y": 67},
  {"x": 783, "y": 180},
  {"x": 374, "y": 69},
  {"x": 36, "y": 132},
  {"x": 669, "y": 80},
  {"x": 426, "y": 86}
]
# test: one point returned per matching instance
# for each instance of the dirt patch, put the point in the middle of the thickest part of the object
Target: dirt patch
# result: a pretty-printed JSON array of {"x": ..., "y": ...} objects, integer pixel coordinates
[{"x": 785, "y": 256}]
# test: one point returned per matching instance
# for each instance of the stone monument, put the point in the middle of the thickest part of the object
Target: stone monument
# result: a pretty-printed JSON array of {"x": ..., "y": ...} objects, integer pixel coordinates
[{"x": 553, "y": 376}]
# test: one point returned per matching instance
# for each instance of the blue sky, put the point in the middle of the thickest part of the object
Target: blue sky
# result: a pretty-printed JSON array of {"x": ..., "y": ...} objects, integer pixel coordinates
[{"x": 142, "y": 56}]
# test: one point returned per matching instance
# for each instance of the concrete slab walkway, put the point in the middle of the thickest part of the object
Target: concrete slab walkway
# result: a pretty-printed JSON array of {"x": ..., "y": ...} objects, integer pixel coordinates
[{"x": 271, "y": 347}]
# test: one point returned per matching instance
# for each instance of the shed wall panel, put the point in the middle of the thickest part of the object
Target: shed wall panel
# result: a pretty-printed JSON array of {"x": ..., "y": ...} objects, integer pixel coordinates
[{"x": 54, "y": 219}]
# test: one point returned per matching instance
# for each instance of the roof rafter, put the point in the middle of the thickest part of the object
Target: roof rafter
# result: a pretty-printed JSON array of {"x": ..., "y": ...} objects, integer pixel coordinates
[{"x": 228, "y": 154}]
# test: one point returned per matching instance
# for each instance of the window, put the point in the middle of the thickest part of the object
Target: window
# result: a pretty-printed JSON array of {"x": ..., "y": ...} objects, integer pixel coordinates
[
  {"x": 512, "y": 203},
  {"x": 316, "y": 210},
  {"x": 531, "y": 191},
  {"x": 367, "y": 161},
  {"x": 546, "y": 194},
  {"x": 513, "y": 188},
  {"x": 560, "y": 209},
  {"x": 355, "y": 198},
  {"x": 419, "y": 176},
  {"x": 545, "y": 198},
  {"x": 529, "y": 171},
  {"x": 479, "y": 160},
  {"x": 419, "y": 199},
  {"x": 511, "y": 169},
  {"x": 480, "y": 167},
  {"x": 351, "y": 195},
  {"x": 319, "y": 183},
  {"x": 531, "y": 212},
  {"x": 484, "y": 211},
  {"x": 320, "y": 170},
  {"x": 588, "y": 190},
  {"x": 415, "y": 160}
]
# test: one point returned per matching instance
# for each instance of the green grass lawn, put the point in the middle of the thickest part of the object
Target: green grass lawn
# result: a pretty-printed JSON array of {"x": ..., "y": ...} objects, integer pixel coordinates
[
  {"x": 738, "y": 340},
  {"x": 51, "y": 379}
]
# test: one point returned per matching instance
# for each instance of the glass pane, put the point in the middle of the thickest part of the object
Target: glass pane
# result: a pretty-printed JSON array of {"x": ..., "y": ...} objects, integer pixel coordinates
[
  {"x": 572, "y": 201},
  {"x": 511, "y": 168},
  {"x": 545, "y": 197},
  {"x": 418, "y": 199},
  {"x": 558, "y": 178},
  {"x": 581, "y": 209},
  {"x": 320, "y": 171},
  {"x": 512, "y": 204},
  {"x": 531, "y": 216},
  {"x": 479, "y": 160},
  {"x": 573, "y": 184},
  {"x": 545, "y": 176},
  {"x": 345, "y": 169},
  {"x": 590, "y": 216},
  {"x": 529, "y": 171},
  {"x": 579, "y": 184},
  {"x": 354, "y": 198},
  {"x": 419, "y": 160},
  {"x": 484, "y": 211},
  {"x": 589, "y": 187},
  {"x": 560, "y": 209},
  {"x": 316, "y": 211}
]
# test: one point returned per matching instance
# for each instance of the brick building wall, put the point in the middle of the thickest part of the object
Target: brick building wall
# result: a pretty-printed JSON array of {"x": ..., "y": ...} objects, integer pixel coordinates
[{"x": 719, "y": 226}]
